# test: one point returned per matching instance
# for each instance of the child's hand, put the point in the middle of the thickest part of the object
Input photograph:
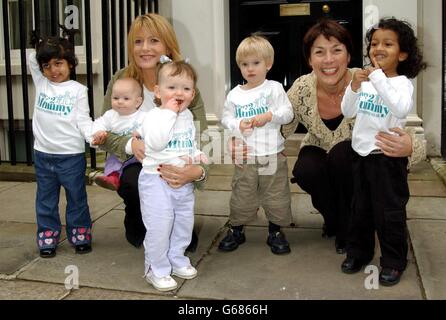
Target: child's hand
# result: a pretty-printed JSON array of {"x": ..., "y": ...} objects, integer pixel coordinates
[
  {"x": 261, "y": 119},
  {"x": 173, "y": 105},
  {"x": 375, "y": 64},
  {"x": 359, "y": 77},
  {"x": 246, "y": 127},
  {"x": 99, "y": 138}
]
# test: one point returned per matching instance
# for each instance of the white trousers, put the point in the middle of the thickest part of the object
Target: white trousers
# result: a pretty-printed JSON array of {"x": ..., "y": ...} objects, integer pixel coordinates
[{"x": 168, "y": 215}]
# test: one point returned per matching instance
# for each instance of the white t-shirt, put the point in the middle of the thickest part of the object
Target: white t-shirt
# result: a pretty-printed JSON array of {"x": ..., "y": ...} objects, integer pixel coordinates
[
  {"x": 121, "y": 125},
  {"x": 167, "y": 136},
  {"x": 245, "y": 104},
  {"x": 61, "y": 119},
  {"x": 380, "y": 104}
]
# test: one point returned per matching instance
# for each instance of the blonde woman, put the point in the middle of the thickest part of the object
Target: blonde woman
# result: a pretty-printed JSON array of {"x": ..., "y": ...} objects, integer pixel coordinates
[{"x": 150, "y": 37}]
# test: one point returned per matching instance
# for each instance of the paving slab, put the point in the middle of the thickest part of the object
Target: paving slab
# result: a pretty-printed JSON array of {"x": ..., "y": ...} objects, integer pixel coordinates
[
  {"x": 101, "y": 294},
  {"x": 310, "y": 271},
  {"x": 29, "y": 290},
  {"x": 114, "y": 264},
  {"x": 426, "y": 208},
  {"x": 420, "y": 188},
  {"x": 422, "y": 171},
  {"x": 18, "y": 203},
  {"x": 17, "y": 246},
  {"x": 429, "y": 243},
  {"x": 5, "y": 185}
]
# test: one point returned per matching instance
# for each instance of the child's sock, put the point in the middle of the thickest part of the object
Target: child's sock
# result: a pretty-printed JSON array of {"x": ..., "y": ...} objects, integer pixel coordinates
[{"x": 273, "y": 228}]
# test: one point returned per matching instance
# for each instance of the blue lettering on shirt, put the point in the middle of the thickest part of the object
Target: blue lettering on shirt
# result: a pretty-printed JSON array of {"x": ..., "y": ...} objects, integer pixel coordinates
[
  {"x": 61, "y": 105},
  {"x": 181, "y": 141},
  {"x": 259, "y": 106},
  {"x": 372, "y": 105},
  {"x": 128, "y": 131}
]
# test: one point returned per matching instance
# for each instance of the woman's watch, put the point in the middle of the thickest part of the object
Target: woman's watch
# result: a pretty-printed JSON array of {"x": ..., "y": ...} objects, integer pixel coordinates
[{"x": 203, "y": 175}]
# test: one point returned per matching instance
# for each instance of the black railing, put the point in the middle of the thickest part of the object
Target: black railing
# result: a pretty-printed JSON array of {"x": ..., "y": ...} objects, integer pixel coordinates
[{"x": 119, "y": 15}]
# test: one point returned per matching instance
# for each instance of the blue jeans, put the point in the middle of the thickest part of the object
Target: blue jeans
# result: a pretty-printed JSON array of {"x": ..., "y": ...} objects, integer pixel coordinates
[{"x": 52, "y": 172}]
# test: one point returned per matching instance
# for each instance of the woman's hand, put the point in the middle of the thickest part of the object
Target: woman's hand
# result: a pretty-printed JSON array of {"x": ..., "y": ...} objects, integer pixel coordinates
[
  {"x": 138, "y": 149},
  {"x": 177, "y": 177},
  {"x": 395, "y": 145}
]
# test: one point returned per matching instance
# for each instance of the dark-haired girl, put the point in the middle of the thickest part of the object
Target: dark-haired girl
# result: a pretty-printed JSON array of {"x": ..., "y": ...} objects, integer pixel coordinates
[
  {"x": 61, "y": 124},
  {"x": 381, "y": 97}
]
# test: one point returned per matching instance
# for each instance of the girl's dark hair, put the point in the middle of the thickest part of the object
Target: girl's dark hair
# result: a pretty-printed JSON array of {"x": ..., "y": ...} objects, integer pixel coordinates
[
  {"x": 55, "y": 47},
  {"x": 328, "y": 28},
  {"x": 407, "y": 42}
]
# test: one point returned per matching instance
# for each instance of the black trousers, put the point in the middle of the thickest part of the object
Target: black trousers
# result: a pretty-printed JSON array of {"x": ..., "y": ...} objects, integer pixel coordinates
[
  {"x": 327, "y": 177},
  {"x": 379, "y": 203},
  {"x": 128, "y": 191}
]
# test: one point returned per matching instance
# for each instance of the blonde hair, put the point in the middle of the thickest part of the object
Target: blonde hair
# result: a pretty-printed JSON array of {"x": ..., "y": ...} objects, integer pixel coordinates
[
  {"x": 255, "y": 45},
  {"x": 160, "y": 28}
]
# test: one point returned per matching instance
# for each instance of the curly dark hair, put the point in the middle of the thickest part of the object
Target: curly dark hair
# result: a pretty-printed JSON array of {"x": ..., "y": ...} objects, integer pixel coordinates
[
  {"x": 407, "y": 42},
  {"x": 54, "y": 47}
]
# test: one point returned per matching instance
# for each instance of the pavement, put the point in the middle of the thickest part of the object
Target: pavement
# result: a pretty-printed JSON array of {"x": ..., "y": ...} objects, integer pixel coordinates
[{"x": 114, "y": 270}]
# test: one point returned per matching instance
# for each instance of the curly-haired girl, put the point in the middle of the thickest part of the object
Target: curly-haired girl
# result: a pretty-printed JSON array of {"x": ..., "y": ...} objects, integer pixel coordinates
[{"x": 380, "y": 97}]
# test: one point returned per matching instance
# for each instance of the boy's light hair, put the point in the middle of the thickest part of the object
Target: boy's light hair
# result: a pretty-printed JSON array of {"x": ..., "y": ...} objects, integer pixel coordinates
[{"x": 255, "y": 45}]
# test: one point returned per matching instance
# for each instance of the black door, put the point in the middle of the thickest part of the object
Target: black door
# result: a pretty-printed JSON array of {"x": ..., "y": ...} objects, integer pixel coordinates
[{"x": 285, "y": 23}]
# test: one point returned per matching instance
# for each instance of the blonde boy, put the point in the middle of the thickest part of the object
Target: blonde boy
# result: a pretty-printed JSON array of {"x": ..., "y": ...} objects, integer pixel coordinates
[{"x": 255, "y": 112}]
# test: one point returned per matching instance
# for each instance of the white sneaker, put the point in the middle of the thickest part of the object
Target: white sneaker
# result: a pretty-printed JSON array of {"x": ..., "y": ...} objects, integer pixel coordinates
[
  {"x": 166, "y": 283},
  {"x": 188, "y": 272}
]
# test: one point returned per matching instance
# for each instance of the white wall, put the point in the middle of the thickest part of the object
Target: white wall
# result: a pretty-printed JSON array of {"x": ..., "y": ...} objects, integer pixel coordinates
[
  {"x": 203, "y": 33},
  {"x": 430, "y": 31}
]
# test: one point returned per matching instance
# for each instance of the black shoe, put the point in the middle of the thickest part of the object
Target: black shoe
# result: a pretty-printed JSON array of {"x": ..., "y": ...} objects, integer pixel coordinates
[
  {"x": 134, "y": 240},
  {"x": 278, "y": 243},
  {"x": 232, "y": 240},
  {"x": 48, "y": 253},
  {"x": 389, "y": 277},
  {"x": 352, "y": 265},
  {"x": 193, "y": 243},
  {"x": 83, "y": 248},
  {"x": 340, "y": 246}
]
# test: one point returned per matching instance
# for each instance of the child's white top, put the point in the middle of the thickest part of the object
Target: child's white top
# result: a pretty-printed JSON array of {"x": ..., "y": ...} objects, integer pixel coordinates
[
  {"x": 61, "y": 119},
  {"x": 121, "y": 125},
  {"x": 167, "y": 136},
  {"x": 380, "y": 104},
  {"x": 245, "y": 104}
]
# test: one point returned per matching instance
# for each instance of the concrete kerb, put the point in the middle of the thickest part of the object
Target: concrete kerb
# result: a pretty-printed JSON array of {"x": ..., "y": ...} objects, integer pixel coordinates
[{"x": 439, "y": 166}]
